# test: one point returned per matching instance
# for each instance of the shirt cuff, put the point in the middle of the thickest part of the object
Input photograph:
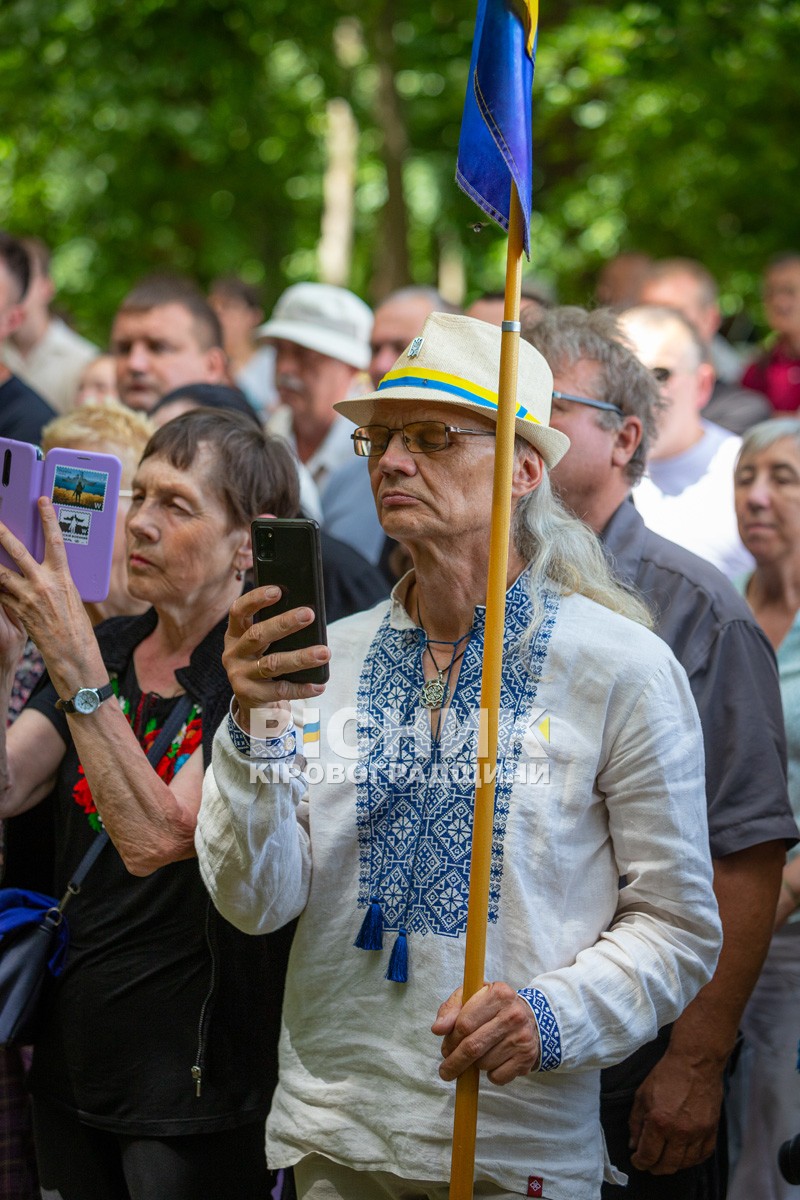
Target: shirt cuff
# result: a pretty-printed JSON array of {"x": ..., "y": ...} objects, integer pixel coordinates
[
  {"x": 549, "y": 1033},
  {"x": 273, "y": 749}
]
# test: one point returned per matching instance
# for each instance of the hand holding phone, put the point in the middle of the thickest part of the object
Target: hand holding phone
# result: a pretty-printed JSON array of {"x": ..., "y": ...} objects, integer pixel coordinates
[
  {"x": 287, "y": 555},
  {"x": 84, "y": 488},
  {"x": 20, "y": 488}
]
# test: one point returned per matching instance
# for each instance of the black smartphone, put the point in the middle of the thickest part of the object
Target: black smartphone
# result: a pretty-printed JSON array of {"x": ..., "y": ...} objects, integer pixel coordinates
[{"x": 287, "y": 554}]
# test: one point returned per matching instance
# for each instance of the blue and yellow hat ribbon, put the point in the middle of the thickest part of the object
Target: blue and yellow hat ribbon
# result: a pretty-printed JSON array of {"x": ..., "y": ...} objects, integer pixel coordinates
[{"x": 418, "y": 377}]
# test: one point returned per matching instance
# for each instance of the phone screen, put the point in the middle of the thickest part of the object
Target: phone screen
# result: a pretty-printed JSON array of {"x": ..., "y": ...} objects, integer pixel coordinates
[{"x": 287, "y": 554}]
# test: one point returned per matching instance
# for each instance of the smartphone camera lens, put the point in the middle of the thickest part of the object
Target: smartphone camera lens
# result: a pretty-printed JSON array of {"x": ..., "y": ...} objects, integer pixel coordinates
[{"x": 265, "y": 545}]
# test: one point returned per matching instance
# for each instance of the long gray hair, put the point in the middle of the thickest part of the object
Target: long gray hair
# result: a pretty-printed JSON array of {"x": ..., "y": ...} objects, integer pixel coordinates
[{"x": 562, "y": 551}]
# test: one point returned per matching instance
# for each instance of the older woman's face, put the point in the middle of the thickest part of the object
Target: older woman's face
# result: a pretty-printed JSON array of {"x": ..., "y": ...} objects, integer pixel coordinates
[
  {"x": 767, "y": 495},
  {"x": 181, "y": 550}
]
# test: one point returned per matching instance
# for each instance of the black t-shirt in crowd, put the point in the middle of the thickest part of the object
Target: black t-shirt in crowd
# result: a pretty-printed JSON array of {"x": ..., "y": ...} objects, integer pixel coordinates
[
  {"x": 156, "y": 982},
  {"x": 23, "y": 412}
]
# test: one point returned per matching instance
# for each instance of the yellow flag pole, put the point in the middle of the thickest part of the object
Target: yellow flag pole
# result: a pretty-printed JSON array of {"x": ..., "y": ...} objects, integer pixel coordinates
[{"x": 465, "y": 1121}]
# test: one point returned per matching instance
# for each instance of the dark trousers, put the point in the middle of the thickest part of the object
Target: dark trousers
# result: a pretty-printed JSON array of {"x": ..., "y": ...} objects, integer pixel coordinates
[
  {"x": 707, "y": 1181},
  {"x": 77, "y": 1162}
]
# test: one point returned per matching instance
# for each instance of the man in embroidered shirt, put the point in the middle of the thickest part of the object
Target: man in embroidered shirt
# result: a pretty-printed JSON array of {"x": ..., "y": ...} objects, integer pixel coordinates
[
  {"x": 667, "y": 1097},
  {"x": 600, "y": 778}
]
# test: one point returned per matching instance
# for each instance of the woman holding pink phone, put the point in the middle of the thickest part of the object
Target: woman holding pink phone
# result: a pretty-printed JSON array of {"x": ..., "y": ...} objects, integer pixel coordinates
[{"x": 154, "y": 1070}]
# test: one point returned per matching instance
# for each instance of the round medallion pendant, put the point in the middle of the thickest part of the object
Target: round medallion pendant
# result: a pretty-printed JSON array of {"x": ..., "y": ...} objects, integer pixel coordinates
[{"x": 434, "y": 693}]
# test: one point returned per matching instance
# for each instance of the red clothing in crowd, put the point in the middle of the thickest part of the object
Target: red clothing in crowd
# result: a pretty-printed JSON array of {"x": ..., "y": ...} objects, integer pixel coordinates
[{"x": 777, "y": 375}]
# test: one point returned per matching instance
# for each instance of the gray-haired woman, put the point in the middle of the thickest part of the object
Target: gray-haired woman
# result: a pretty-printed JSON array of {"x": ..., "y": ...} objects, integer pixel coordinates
[{"x": 766, "y": 1087}]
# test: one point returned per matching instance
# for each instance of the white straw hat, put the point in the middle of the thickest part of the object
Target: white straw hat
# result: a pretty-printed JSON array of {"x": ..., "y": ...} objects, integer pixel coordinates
[
  {"x": 456, "y": 361},
  {"x": 325, "y": 318}
]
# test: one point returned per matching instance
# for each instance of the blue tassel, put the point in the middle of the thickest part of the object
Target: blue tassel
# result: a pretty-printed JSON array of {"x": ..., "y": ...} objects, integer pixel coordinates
[
  {"x": 370, "y": 935},
  {"x": 398, "y": 963}
]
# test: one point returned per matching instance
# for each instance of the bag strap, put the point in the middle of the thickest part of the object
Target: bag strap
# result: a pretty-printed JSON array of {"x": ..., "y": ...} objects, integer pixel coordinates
[
  {"x": 154, "y": 755},
  {"x": 168, "y": 730}
]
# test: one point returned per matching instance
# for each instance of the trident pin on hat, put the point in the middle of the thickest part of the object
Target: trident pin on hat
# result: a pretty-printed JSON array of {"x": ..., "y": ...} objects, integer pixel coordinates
[{"x": 456, "y": 361}]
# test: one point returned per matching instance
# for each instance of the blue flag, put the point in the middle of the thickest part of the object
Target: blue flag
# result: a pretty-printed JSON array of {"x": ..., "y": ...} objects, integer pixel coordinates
[{"x": 495, "y": 144}]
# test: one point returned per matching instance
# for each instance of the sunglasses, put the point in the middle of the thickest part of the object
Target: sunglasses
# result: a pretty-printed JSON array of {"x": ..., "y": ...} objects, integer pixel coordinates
[{"x": 602, "y": 404}]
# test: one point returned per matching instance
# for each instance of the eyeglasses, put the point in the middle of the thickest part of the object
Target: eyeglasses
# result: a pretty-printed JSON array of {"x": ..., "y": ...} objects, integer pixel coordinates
[
  {"x": 419, "y": 437},
  {"x": 662, "y": 375},
  {"x": 602, "y": 404}
]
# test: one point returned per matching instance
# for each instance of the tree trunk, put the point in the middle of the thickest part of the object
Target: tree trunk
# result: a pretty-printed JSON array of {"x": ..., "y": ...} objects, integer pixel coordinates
[
  {"x": 335, "y": 248},
  {"x": 391, "y": 268}
]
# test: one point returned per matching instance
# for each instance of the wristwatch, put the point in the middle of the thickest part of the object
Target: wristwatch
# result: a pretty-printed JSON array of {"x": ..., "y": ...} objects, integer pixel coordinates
[{"x": 86, "y": 700}]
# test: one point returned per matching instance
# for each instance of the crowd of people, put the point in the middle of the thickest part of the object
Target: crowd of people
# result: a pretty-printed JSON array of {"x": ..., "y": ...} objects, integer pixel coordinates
[{"x": 274, "y": 935}]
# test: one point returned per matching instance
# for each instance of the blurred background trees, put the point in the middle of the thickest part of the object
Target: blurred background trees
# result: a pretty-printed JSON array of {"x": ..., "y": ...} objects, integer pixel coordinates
[{"x": 286, "y": 140}]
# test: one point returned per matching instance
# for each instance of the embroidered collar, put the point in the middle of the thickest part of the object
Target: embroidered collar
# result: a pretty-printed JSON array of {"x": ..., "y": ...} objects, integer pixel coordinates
[{"x": 517, "y": 602}]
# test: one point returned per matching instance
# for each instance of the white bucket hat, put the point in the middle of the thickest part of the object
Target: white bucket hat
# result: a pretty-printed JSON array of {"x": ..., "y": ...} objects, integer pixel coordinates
[
  {"x": 325, "y": 318},
  {"x": 456, "y": 361}
]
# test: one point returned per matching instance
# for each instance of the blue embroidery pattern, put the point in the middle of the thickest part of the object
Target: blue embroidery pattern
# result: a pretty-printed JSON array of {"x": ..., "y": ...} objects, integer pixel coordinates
[
  {"x": 284, "y": 746},
  {"x": 414, "y": 796},
  {"x": 548, "y": 1027}
]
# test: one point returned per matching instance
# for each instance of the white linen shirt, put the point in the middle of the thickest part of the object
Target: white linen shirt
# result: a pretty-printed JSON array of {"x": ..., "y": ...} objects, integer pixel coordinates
[
  {"x": 601, "y": 910},
  {"x": 688, "y": 499}
]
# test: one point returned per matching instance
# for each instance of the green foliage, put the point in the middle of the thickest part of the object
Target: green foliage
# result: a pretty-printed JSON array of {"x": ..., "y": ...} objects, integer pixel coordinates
[
  {"x": 672, "y": 129},
  {"x": 146, "y": 134}
]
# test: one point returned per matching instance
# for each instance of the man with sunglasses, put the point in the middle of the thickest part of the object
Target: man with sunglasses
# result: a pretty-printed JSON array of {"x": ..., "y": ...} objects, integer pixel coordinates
[
  {"x": 661, "y": 1108},
  {"x": 686, "y": 494},
  {"x": 599, "y": 758}
]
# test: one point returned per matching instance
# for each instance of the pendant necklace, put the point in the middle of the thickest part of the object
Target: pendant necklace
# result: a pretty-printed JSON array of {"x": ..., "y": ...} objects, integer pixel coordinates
[{"x": 436, "y": 692}]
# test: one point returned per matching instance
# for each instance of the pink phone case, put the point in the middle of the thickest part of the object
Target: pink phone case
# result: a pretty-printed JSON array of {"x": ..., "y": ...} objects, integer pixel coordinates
[
  {"x": 20, "y": 487},
  {"x": 84, "y": 488}
]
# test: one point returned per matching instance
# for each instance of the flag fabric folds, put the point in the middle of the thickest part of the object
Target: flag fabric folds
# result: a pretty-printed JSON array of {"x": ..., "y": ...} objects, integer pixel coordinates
[{"x": 495, "y": 144}]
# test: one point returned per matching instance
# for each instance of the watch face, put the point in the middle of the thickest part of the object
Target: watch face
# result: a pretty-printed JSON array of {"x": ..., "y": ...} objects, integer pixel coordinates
[{"x": 86, "y": 700}]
